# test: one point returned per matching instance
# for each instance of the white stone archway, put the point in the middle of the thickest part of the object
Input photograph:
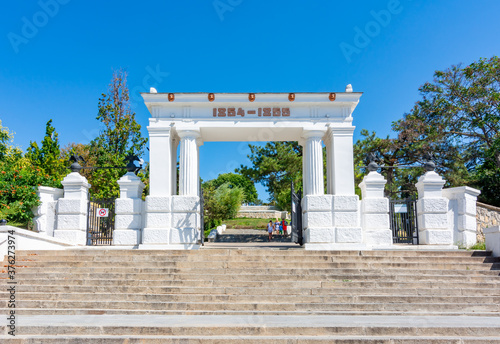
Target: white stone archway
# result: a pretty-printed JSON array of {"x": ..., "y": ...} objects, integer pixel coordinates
[{"x": 173, "y": 219}]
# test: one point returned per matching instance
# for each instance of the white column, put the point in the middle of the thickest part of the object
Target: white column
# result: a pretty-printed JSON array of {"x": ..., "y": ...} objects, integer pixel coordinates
[
  {"x": 314, "y": 179},
  {"x": 72, "y": 210},
  {"x": 128, "y": 207},
  {"x": 375, "y": 220},
  {"x": 188, "y": 169},
  {"x": 432, "y": 210},
  {"x": 173, "y": 154},
  {"x": 462, "y": 204},
  {"x": 160, "y": 181},
  {"x": 342, "y": 160}
]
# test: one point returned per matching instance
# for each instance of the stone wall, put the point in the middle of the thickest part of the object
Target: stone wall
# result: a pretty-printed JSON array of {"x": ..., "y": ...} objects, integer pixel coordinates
[
  {"x": 487, "y": 216},
  {"x": 261, "y": 212}
]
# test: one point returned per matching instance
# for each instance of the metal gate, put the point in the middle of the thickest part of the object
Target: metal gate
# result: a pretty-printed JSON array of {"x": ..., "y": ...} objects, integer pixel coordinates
[
  {"x": 297, "y": 236},
  {"x": 404, "y": 223},
  {"x": 100, "y": 222}
]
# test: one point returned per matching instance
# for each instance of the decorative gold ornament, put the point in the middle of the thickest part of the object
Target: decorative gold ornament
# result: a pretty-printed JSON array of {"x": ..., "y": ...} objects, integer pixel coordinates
[
  {"x": 211, "y": 97},
  {"x": 291, "y": 97},
  {"x": 332, "y": 97},
  {"x": 171, "y": 97},
  {"x": 251, "y": 97}
]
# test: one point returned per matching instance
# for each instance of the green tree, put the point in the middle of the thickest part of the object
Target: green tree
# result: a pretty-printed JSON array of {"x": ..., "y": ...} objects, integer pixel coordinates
[
  {"x": 458, "y": 120},
  {"x": 240, "y": 181},
  {"x": 48, "y": 158},
  {"x": 221, "y": 203},
  {"x": 391, "y": 154},
  {"x": 276, "y": 165},
  {"x": 19, "y": 181},
  {"x": 121, "y": 137}
]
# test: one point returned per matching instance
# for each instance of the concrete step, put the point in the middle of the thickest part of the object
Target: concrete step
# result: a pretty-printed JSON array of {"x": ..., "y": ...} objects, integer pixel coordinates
[
  {"x": 278, "y": 288},
  {"x": 404, "y": 306},
  {"x": 260, "y": 329},
  {"x": 265, "y": 258},
  {"x": 92, "y": 251},
  {"x": 304, "y": 313},
  {"x": 140, "y": 266},
  {"x": 253, "y": 296},
  {"x": 158, "y": 279},
  {"x": 243, "y": 339},
  {"x": 68, "y": 295}
]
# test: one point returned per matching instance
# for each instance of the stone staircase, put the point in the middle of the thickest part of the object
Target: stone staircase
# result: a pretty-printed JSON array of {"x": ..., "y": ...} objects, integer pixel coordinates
[{"x": 254, "y": 296}]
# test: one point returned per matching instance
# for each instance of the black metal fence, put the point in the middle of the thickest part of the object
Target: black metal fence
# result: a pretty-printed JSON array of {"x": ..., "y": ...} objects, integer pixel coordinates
[
  {"x": 297, "y": 235},
  {"x": 100, "y": 222},
  {"x": 404, "y": 224}
]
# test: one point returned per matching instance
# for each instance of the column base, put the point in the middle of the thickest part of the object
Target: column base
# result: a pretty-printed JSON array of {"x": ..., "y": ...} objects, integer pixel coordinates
[
  {"x": 435, "y": 237},
  {"x": 74, "y": 236},
  {"x": 334, "y": 247},
  {"x": 126, "y": 237},
  {"x": 378, "y": 239},
  {"x": 169, "y": 247},
  {"x": 156, "y": 236}
]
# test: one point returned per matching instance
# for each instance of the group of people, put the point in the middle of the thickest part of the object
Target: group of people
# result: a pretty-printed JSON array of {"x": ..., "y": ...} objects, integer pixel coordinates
[{"x": 277, "y": 228}]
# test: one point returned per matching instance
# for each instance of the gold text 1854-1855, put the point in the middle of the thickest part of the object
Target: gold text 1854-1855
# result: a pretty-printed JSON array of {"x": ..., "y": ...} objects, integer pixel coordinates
[{"x": 260, "y": 112}]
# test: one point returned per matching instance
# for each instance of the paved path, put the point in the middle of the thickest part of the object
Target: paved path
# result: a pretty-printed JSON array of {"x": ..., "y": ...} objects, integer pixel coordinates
[{"x": 251, "y": 238}]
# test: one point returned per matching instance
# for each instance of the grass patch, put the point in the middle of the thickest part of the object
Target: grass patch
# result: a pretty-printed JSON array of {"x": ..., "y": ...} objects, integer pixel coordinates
[
  {"x": 246, "y": 223},
  {"x": 480, "y": 246}
]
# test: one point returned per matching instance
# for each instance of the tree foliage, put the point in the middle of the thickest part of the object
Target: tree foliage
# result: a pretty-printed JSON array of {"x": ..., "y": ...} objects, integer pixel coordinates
[
  {"x": 19, "y": 180},
  {"x": 276, "y": 165},
  {"x": 121, "y": 137},
  {"x": 457, "y": 119},
  {"x": 48, "y": 157},
  {"x": 221, "y": 203},
  {"x": 237, "y": 180}
]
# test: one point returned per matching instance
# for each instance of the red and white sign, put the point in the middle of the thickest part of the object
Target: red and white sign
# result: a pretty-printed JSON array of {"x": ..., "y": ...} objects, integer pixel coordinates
[{"x": 102, "y": 212}]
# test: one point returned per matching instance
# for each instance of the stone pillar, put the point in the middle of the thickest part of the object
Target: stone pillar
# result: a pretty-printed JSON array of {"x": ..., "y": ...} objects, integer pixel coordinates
[
  {"x": 173, "y": 154},
  {"x": 158, "y": 215},
  {"x": 188, "y": 169},
  {"x": 492, "y": 240},
  {"x": 375, "y": 220},
  {"x": 128, "y": 217},
  {"x": 314, "y": 179},
  {"x": 340, "y": 145},
  {"x": 45, "y": 213},
  {"x": 462, "y": 214},
  {"x": 160, "y": 169},
  {"x": 432, "y": 211},
  {"x": 72, "y": 210}
]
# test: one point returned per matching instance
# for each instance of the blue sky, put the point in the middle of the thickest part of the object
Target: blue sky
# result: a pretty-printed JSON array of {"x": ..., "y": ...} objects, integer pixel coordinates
[{"x": 57, "y": 56}]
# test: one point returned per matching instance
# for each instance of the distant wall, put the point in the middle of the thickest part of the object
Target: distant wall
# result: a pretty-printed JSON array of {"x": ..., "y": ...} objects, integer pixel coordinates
[
  {"x": 262, "y": 212},
  {"x": 487, "y": 216}
]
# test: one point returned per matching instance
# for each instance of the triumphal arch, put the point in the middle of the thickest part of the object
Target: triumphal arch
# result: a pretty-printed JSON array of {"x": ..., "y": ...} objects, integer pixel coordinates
[
  {"x": 333, "y": 216},
  {"x": 172, "y": 212}
]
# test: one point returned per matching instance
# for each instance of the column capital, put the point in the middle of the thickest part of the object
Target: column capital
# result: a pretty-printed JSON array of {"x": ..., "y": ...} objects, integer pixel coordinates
[
  {"x": 340, "y": 131},
  {"x": 159, "y": 131},
  {"x": 313, "y": 133},
  {"x": 188, "y": 133}
]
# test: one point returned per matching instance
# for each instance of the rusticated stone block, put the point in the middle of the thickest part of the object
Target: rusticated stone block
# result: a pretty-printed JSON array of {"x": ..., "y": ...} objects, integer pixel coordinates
[
  {"x": 159, "y": 204},
  {"x": 158, "y": 220},
  {"x": 348, "y": 235}
]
